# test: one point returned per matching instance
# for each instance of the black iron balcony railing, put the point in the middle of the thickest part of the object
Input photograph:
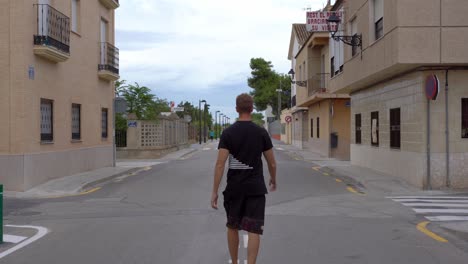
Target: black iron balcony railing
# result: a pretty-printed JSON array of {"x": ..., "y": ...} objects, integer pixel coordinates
[
  {"x": 53, "y": 28},
  {"x": 109, "y": 60},
  {"x": 317, "y": 84}
]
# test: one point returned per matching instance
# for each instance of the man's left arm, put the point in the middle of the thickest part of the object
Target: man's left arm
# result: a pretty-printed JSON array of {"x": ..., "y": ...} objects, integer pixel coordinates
[{"x": 218, "y": 175}]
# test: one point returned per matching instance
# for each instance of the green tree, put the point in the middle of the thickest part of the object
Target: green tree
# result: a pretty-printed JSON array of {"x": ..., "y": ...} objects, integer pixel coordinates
[
  {"x": 257, "y": 118},
  {"x": 264, "y": 82}
]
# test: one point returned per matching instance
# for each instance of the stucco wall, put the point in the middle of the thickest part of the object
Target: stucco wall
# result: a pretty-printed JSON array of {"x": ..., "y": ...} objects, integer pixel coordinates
[
  {"x": 340, "y": 124},
  {"x": 319, "y": 145},
  {"x": 22, "y": 172},
  {"x": 5, "y": 88},
  {"x": 26, "y": 159},
  {"x": 442, "y": 25},
  {"x": 409, "y": 162}
]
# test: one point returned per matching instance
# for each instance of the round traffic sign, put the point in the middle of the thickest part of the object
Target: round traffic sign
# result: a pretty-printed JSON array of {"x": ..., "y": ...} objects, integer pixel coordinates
[
  {"x": 288, "y": 119},
  {"x": 432, "y": 87}
]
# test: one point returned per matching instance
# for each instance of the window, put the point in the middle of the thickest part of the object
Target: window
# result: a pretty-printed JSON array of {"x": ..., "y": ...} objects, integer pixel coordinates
[
  {"x": 311, "y": 127},
  {"x": 76, "y": 121},
  {"x": 104, "y": 116},
  {"x": 395, "y": 128},
  {"x": 75, "y": 8},
  {"x": 378, "y": 18},
  {"x": 300, "y": 73},
  {"x": 375, "y": 129},
  {"x": 318, "y": 127},
  {"x": 464, "y": 117},
  {"x": 47, "y": 120},
  {"x": 379, "y": 29},
  {"x": 358, "y": 128},
  {"x": 332, "y": 66},
  {"x": 304, "y": 75}
]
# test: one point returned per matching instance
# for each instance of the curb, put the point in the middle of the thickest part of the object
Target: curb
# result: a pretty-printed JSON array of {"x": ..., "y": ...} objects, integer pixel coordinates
[
  {"x": 188, "y": 153},
  {"x": 106, "y": 179}
]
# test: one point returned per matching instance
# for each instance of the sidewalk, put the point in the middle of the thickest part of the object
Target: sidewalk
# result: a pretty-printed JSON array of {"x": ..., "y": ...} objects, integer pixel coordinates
[
  {"x": 373, "y": 182},
  {"x": 78, "y": 183}
]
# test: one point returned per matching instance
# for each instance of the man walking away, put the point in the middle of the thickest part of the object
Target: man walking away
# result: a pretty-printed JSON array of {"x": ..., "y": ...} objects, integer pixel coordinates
[
  {"x": 244, "y": 197},
  {"x": 211, "y": 135}
]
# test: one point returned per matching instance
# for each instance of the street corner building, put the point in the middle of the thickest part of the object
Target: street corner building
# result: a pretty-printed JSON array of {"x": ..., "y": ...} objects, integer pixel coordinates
[
  {"x": 320, "y": 116},
  {"x": 408, "y": 87},
  {"x": 58, "y": 65},
  {"x": 388, "y": 90}
]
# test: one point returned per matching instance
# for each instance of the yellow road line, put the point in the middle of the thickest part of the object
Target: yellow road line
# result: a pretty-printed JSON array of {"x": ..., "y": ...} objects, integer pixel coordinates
[
  {"x": 422, "y": 227},
  {"x": 90, "y": 191},
  {"x": 316, "y": 168},
  {"x": 326, "y": 174},
  {"x": 338, "y": 180},
  {"x": 147, "y": 168},
  {"x": 352, "y": 190}
]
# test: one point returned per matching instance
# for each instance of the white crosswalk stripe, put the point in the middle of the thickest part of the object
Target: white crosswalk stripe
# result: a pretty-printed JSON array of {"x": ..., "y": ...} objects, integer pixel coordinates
[{"x": 437, "y": 208}]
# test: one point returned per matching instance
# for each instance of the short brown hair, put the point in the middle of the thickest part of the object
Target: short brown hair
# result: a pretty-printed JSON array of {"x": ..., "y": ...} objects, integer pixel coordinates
[{"x": 244, "y": 103}]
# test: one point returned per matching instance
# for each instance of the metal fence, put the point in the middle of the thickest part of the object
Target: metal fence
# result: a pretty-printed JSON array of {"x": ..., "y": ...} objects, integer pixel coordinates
[
  {"x": 109, "y": 60},
  {"x": 53, "y": 28},
  {"x": 121, "y": 138}
]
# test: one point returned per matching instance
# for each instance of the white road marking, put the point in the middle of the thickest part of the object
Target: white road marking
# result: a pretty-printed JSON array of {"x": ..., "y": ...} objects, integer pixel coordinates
[
  {"x": 206, "y": 148},
  {"x": 280, "y": 148},
  {"x": 246, "y": 240},
  {"x": 245, "y": 261},
  {"x": 41, "y": 231},
  {"x": 428, "y": 197},
  {"x": 435, "y": 204},
  {"x": 438, "y": 211},
  {"x": 441, "y": 218},
  {"x": 429, "y": 201},
  {"x": 13, "y": 239}
]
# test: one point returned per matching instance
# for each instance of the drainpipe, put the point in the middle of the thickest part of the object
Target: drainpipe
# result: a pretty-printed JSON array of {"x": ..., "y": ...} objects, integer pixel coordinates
[
  {"x": 429, "y": 186},
  {"x": 447, "y": 144}
]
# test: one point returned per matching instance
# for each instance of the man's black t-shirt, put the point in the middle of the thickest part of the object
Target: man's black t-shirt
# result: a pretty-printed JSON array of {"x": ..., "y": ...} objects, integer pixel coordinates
[{"x": 246, "y": 143}]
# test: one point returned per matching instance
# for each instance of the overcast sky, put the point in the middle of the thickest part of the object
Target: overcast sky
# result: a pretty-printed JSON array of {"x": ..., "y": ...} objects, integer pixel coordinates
[{"x": 186, "y": 50}]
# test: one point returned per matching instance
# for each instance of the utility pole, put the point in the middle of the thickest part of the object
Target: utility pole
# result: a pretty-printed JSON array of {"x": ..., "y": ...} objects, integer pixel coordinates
[
  {"x": 200, "y": 119},
  {"x": 279, "y": 101}
]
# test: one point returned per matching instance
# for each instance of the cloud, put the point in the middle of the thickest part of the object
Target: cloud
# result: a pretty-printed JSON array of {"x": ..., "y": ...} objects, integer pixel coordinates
[{"x": 199, "y": 46}]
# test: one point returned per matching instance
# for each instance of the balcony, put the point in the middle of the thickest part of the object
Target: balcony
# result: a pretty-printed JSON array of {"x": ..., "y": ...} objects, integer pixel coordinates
[
  {"x": 317, "y": 84},
  {"x": 317, "y": 91},
  {"x": 110, "y": 4},
  {"x": 108, "y": 68},
  {"x": 52, "y": 40}
]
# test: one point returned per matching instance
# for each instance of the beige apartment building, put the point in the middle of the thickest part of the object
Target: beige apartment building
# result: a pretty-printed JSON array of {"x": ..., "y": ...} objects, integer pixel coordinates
[
  {"x": 57, "y": 66},
  {"x": 321, "y": 119},
  {"x": 395, "y": 128}
]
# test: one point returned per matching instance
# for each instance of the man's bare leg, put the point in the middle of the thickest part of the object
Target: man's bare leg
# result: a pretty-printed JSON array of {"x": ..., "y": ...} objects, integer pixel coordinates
[
  {"x": 233, "y": 243},
  {"x": 253, "y": 247}
]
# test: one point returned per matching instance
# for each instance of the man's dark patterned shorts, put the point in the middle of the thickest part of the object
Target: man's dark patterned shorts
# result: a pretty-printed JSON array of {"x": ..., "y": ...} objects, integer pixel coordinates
[{"x": 245, "y": 212}]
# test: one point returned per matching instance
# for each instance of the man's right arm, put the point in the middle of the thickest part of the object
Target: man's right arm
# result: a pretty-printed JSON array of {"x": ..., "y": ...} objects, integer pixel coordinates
[{"x": 270, "y": 158}]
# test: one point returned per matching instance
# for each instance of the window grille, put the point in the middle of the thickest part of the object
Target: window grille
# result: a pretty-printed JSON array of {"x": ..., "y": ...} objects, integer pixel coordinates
[
  {"x": 358, "y": 128},
  {"x": 76, "y": 121},
  {"x": 104, "y": 123},
  {"x": 47, "y": 120}
]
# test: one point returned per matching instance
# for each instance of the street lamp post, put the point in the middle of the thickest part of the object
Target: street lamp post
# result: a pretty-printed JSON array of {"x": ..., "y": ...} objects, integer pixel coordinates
[
  {"x": 200, "y": 119},
  {"x": 216, "y": 121},
  {"x": 221, "y": 123},
  {"x": 205, "y": 123},
  {"x": 279, "y": 103}
]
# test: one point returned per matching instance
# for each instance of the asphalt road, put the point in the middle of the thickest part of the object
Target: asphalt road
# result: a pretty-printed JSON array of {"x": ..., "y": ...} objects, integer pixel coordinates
[{"x": 163, "y": 215}]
